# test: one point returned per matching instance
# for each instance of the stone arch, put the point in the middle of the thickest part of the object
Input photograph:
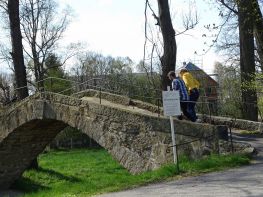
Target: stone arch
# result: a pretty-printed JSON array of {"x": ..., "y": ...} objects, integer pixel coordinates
[
  {"x": 137, "y": 141},
  {"x": 23, "y": 145},
  {"x": 34, "y": 124}
]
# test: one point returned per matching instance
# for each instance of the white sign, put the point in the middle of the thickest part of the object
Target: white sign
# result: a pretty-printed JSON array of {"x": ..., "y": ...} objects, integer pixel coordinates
[{"x": 171, "y": 103}]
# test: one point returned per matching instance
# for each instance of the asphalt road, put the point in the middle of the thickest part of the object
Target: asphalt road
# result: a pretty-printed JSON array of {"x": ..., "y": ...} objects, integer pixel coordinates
[{"x": 238, "y": 182}]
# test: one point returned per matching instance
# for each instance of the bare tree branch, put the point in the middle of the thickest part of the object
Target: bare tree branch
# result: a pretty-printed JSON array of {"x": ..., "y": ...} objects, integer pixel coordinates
[
  {"x": 228, "y": 7},
  {"x": 217, "y": 35},
  {"x": 42, "y": 29},
  {"x": 190, "y": 20},
  {"x": 3, "y": 5}
]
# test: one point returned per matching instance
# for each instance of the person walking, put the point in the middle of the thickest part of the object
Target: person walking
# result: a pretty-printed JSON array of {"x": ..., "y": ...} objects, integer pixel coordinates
[
  {"x": 178, "y": 84},
  {"x": 192, "y": 86}
]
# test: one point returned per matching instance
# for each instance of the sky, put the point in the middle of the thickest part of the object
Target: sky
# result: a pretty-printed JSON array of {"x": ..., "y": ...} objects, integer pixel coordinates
[{"x": 116, "y": 28}]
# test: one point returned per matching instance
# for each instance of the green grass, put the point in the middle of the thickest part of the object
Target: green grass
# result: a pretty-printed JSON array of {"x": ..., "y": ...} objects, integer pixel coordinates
[
  {"x": 88, "y": 172},
  {"x": 245, "y": 132}
]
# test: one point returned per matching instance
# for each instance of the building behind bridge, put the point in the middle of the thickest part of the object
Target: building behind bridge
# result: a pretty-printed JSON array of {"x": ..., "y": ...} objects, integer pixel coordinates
[{"x": 208, "y": 88}]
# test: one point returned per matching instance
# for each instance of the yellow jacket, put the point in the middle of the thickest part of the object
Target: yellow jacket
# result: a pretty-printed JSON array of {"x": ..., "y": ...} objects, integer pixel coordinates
[{"x": 190, "y": 81}]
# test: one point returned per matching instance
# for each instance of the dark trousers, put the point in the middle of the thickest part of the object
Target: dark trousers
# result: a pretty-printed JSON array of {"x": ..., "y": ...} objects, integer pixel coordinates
[
  {"x": 194, "y": 95},
  {"x": 185, "y": 109}
]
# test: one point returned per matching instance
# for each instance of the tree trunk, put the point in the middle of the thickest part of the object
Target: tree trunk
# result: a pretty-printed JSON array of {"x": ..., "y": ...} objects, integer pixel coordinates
[
  {"x": 247, "y": 59},
  {"x": 258, "y": 30},
  {"x": 39, "y": 75},
  {"x": 168, "y": 59},
  {"x": 259, "y": 51},
  {"x": 17, "y": 54},
  {"x": 17, "y": 49}
]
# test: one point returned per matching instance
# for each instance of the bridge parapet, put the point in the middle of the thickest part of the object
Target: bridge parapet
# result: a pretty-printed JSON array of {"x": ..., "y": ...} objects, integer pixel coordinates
[
  {"x": 119, "y": 99},
  {"x": 235, "y": 123},
  {"x": 139, "y": 142}
]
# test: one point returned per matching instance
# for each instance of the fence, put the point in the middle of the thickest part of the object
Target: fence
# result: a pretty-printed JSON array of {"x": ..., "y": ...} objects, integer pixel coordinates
[{"x": 134, "y": 92}]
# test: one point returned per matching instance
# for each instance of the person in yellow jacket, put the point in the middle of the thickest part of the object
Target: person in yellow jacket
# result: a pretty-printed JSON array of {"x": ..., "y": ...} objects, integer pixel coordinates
[{"x": 192, "y": 86}]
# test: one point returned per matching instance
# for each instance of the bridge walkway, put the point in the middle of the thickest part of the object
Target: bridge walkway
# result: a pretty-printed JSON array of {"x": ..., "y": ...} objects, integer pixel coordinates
[{"x": 120, "y": 106}]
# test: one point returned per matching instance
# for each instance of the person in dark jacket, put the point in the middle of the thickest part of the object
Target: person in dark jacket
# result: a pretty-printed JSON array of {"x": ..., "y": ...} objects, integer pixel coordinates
[{"x": 179, "y": 85}]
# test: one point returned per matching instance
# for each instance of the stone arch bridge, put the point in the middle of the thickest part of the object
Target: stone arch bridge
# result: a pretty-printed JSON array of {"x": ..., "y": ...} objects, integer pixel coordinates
[{"x": 130, "y": 131}]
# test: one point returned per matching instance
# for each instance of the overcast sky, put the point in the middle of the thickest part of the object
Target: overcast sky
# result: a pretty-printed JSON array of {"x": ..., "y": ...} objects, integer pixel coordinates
[{"x": 116, "y": 27}]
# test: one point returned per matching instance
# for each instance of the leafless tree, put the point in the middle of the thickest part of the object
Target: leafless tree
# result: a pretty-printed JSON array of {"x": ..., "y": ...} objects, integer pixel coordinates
[
  {"x": 4, "y": 5},
  {"x": 247, "y": 58},
  {"x": 250, "y": 24},
  {"x": 13, "y": 54},
  {"x": 42, "y": 27},
  {"x": 258, "y": 31},
  {"x": 167, "y": 53},
  {"x": 17, "y": 48},
  {"x": 228, "y": 42},
  {"x": 6, "y": 88}
]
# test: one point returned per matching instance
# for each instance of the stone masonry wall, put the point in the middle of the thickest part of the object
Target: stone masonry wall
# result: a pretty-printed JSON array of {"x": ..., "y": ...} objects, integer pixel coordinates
[
  {"x": 235, "y": 123},
  {"x": 138, "y": 142}
]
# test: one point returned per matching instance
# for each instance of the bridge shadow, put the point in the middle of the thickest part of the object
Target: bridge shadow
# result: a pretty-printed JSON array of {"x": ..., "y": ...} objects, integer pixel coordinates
[
  {"x": 58, "y": 175},
  {"x": 28, "y": 185},
  {"x": 255, "y": 135},
  {"x": 246, "y": 137}
]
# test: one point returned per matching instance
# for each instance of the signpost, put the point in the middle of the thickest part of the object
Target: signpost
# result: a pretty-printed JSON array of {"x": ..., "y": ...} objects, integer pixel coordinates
[{"x": 171, "y": 107}]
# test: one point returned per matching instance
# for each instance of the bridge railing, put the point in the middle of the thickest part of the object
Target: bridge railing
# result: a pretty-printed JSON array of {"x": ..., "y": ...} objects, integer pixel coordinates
[
  {"x": 75, "y": 87},
  {"x": 206, "y": 105}
]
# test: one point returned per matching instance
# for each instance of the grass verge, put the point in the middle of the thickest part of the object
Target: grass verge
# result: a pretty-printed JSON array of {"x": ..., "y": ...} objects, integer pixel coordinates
[
  {"x": 88, "y": 172},
  {"x": 256, "y": 133}
]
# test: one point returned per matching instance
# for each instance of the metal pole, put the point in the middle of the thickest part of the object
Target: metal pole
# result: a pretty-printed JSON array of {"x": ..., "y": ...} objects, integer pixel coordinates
[
  {"x": 158, "y": 103},
  {"x": 100, "y": 95},
  {"x": 50, "y": 84},
  {"x": 94, "y": 84},
  {"x": 261, "y": 120},
  {"x": 129, "y": 91},
  {"x": 209, "y": 113},
  {"x": 260, "y": 114},
  {"x": 173, "y": 134},
  {"x": 143, "y": 95},
  {"x": 231, "y": 138},
  {"x": 177, "y": 159},
  {"x": 173, "y": 139}
]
